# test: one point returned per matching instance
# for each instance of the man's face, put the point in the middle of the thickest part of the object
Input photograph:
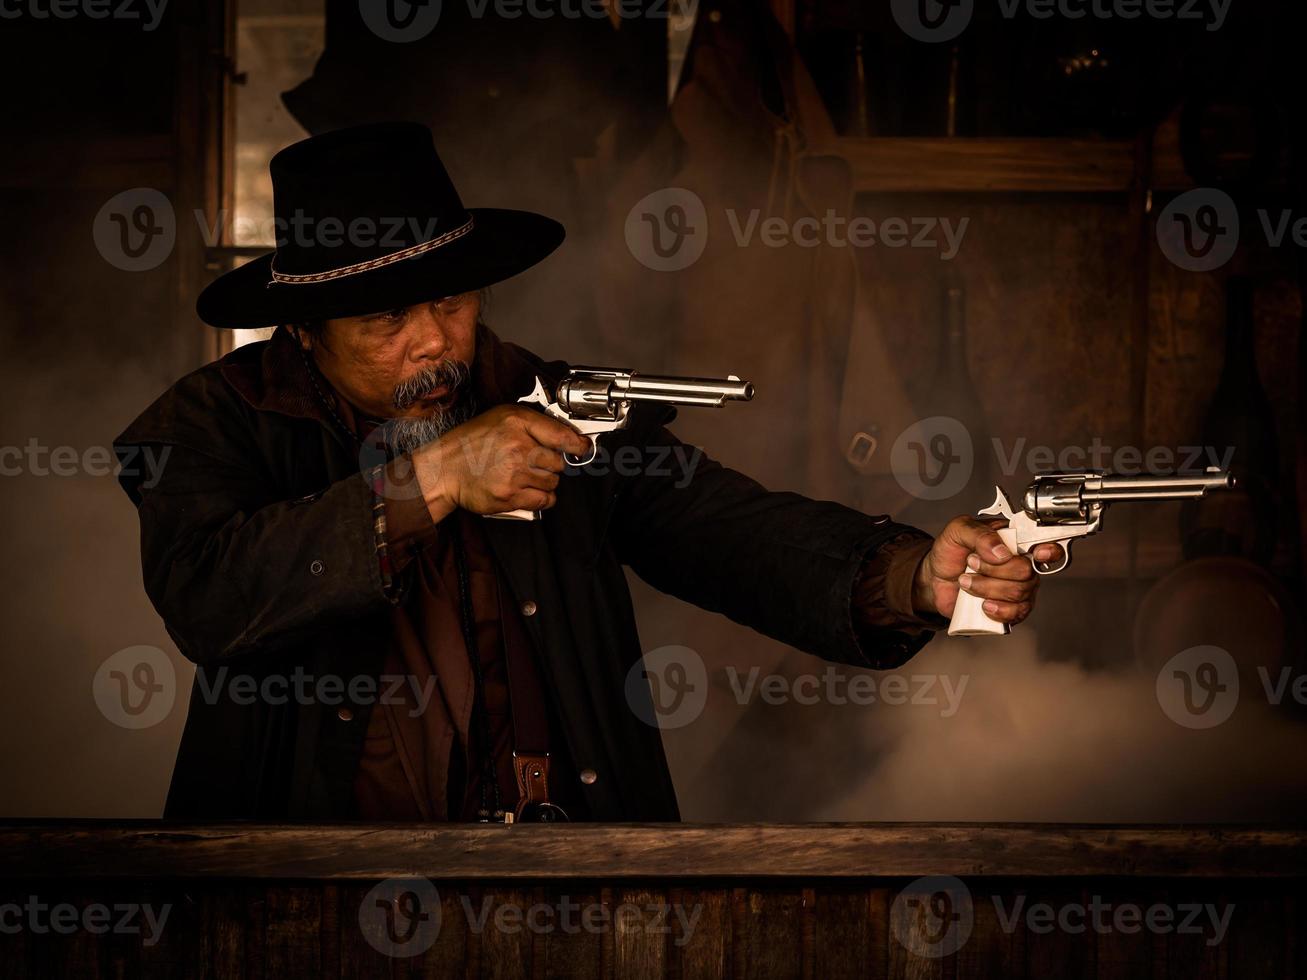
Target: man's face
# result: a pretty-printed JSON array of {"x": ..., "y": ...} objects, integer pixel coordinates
[{"x": 405, "y": 363}]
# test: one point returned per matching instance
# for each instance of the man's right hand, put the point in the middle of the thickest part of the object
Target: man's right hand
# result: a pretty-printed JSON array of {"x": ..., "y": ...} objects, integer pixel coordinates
[{"x": 508, "y": 458}]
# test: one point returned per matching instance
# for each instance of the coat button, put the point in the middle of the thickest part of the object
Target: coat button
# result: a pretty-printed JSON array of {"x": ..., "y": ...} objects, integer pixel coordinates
[
  {"x": 588, "y": 776},
  {"x": 316, "y": 567},
  {"x": 529, "y": 608},
  {"x": 345, "y": 714}
]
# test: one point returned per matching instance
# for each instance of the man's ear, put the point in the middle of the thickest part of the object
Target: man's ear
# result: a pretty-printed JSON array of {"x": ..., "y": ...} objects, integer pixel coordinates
[{"x": 305, "y": 341}]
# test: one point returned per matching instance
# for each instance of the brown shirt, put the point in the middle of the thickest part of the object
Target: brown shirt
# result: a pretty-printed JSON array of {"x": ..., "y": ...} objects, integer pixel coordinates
[{"x": 417, "y": 761}]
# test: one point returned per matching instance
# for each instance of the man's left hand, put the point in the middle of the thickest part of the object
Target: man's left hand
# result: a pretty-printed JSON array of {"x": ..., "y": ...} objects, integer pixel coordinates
[{"x": 970, "y": 555}]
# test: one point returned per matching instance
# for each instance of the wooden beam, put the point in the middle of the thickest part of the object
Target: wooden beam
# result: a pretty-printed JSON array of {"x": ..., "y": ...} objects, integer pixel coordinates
[
  {"x": 142, "y": 849},
  {"x": 969, "y": 164}
]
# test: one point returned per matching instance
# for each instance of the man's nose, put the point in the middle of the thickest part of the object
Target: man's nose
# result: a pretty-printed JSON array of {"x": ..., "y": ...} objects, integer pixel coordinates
[{"x": 432, "y": 336}]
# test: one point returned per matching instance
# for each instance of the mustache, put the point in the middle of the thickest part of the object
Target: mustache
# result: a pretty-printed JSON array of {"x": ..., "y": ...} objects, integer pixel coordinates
[{"x": 451, "y": 374}]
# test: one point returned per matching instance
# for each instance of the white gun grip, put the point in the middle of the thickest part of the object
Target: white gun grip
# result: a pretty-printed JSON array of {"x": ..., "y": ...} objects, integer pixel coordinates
[{"x": 969, "y": 616}]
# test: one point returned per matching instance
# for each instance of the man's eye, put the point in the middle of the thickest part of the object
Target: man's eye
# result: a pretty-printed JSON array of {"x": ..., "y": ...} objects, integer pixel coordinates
[{"x": 391, "y": 316}]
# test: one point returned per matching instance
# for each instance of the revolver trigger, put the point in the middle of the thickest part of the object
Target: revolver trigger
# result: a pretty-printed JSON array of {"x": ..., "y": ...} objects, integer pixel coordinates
[
  {"x": 583, "y": 460},
  {"x": 1048, "y": 568},
  {"x": 999, "y": 508}
]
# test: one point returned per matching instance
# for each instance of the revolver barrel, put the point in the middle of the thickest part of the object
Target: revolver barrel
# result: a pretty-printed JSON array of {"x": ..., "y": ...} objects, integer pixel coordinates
[
  {"x": 716, "y": 390},
  {"x": 1069, "y": 498},
  {"x": 600, "y": 392},
  {"x": 1111, "y": 488}
]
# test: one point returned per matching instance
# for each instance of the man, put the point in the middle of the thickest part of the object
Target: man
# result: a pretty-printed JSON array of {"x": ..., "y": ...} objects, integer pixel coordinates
[{"x": 368, "y": 644}]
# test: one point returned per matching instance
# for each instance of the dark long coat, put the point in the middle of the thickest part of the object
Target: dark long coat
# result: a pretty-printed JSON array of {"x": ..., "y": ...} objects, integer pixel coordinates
[{"x": 258, "y": 551}]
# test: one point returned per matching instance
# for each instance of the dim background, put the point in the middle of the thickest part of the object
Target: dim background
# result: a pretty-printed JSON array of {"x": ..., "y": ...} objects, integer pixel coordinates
[{"x": 1060, "y": 142}]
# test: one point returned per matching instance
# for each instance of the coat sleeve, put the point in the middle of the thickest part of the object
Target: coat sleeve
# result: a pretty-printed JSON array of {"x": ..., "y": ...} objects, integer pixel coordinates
[
  {"x": 780, "y": 563},
  {"x": 232, "y": 571}
]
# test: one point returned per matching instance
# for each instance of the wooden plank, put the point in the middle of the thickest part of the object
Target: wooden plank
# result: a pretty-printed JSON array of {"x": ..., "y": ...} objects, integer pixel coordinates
[
  {"x": 842, "y": 934},
  {"x": 1258, "y": 937},
  {"x": 768, "y": 930},
  {"x": 1058, "y": 944},
  {"x": 758, "y": 930},
  {"x": 506, "y": 941},
  {"x": 143, "y": 850},
  {"x": 995, "y": 950},
  {"x": 448, "y": 955},
  {"x": 1193, "y": 956},
  {"x": 929, "y": 922},
  {"x": 73, "y": 950},
  {"x": 879, "y": 928},
  {"x": 329, "y": 931},
  {"x": 222, "y": 913},
  {"x": 293, "y": 933},
  {"x": 706, "y": 950},
  {"x": 1125, "y": 948},
  {"x": 970, "y": 164},
  {"x": 360, "y": 958},
  {"x": 170, "y": 952},
  {"x": 639, "y": 950},
  {"x": 983, "y": 165},
  {"x": 15, "y": 948},
  {"x": 577, "y": 950}
]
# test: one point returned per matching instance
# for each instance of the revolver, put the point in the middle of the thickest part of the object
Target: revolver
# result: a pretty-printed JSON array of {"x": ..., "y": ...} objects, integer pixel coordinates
[
  {"x": 1061, "y": 508},
  {"x": 598, "y": 400}
]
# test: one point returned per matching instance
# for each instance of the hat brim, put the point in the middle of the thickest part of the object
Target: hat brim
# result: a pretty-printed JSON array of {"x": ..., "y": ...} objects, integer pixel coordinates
[{"x": 502, "y": 243}]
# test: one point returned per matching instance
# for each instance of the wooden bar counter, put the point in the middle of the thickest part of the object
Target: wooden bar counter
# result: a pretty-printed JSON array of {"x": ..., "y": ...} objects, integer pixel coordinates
[{"x": 148, "y": 899}]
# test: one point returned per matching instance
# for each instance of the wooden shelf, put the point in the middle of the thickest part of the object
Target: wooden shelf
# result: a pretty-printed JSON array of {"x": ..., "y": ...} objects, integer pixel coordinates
[{"x": 974, "y": 164}]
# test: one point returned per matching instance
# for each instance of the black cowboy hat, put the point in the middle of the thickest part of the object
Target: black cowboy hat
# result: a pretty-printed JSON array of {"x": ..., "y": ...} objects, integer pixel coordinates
[{"x": 368, "y": 220}]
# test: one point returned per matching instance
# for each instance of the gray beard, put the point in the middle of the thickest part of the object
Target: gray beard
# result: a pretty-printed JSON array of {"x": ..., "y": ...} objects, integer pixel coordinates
[{"x": 404, "y": 435}]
